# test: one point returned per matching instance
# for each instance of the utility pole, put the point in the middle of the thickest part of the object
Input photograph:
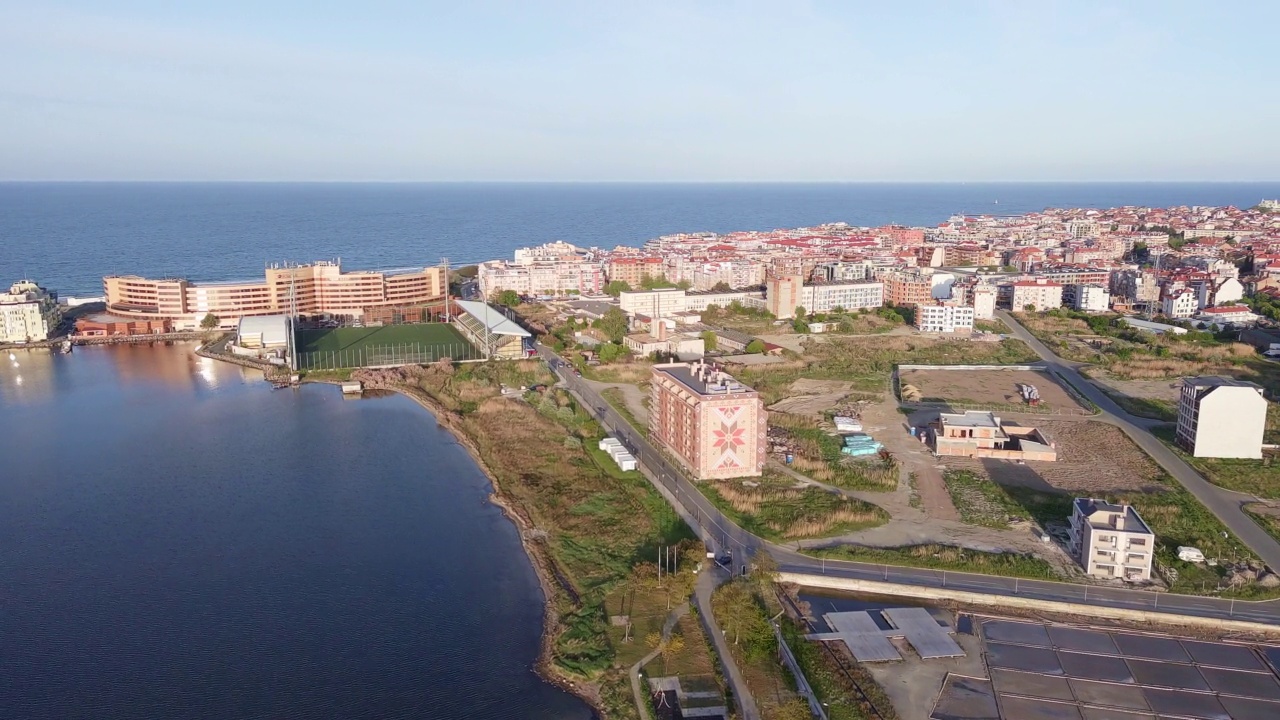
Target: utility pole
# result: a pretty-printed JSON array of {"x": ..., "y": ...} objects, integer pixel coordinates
[{"x": 444, "y": 271}]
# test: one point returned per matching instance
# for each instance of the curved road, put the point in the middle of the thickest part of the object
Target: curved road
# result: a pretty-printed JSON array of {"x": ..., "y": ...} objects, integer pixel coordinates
[
  {"x": 1225, "y": 504},
  {"x": 723, "y": 535}
]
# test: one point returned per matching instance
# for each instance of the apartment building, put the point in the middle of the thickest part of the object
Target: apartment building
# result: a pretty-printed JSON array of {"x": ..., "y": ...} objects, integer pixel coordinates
[
  {"x": 1140, "y": 286},
  {"x": 633, "y": 270},
  {"x": 712, "y": 424},
  {"x": 1179, "y": 303},
  {"x": 1221, "y": 417},
  {"x": 979, "y": 434},
  {"x": 1111, "y": 541},
  {"x": 907, "y": 288},
  {"x": 28, "y": 313},
  {"x": 1086, "y": 298},
  {"x": 315, "y": 289},
  {"x": 1038, "y": 294},
  {"x": 541, "y": 278},
  {"x": 944, "y": 318},
  {"x": 983, "y": 300},
  {"x": 784, "y": 294}
]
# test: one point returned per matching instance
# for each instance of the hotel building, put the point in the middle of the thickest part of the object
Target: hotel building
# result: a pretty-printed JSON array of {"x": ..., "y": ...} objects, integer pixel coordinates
[
  {"x": 320, "y": 288},
  {"x": 711, "y": 423},
  {"x": 28, "y": 313}
]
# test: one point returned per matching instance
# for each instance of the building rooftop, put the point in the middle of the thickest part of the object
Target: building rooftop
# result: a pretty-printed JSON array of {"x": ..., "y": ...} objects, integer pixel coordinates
[
  {"x": 703, "y": 379},
  {"x": 496, "y": 322},
  {"x": 1089, "y": 507},
  {"x": 971, "y": 418}
]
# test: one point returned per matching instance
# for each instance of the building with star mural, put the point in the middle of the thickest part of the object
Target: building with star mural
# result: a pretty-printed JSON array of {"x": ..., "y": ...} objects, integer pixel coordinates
[{"x": 713, "y": 424}]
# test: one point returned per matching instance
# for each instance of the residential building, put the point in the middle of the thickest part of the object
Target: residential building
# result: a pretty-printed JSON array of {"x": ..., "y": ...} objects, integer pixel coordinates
[
  {"x": 1220, "y": 417},
  {"x": 1036, "y": 294},
  {"x": 1140, "y": 286},
  {"x": 944, "y": 318},
  {"x": 660, "y": 303},
  {"x": 1227, "y": 315},
  {"x": 981, "y": 434},
  {"x": 908, "y": 288},
  {"x": 784, "y": 294},
  {"x": 1179, "y": 304},
  {"x": 712, "y": 424},
  {"x": 633, "y": 270},
  {"x": 983, "y": 299},
  {"x": 661, "y": 337},
  {"x": 320, "y": 288},
  {"x": 28, "y": 313},
  {"x": 1086, "y": 298},
  {"x": 1111, "y": 541},
  {"x": 561, "y": 277}
]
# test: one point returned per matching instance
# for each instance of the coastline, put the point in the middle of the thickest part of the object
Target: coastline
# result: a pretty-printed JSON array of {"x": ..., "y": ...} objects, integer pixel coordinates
[{"x": 543, "y": 565}]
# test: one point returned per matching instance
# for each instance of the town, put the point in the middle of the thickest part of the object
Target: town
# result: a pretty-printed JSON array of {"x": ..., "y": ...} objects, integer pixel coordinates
[{"x": 1026, "y": 419}]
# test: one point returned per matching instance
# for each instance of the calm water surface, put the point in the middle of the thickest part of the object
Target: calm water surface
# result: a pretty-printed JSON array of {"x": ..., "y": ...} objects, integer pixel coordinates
[{"x": 178, "y": 540}]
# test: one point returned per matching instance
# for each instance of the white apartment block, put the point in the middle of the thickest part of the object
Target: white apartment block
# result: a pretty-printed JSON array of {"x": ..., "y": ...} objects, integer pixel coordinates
[
  {"x": 1039, "y": 294},
  {"x": 1087, "y": 298},
  {"x": 734, "y": 273},
  {"x": 552, "y": 252},
  {"x": 983, "y": 300},
  {"x": 541, "y": 278},
  {"x": 1111, "y": 541},
  {"x": 28, "y": 313},
  {"x": 944, "y": 318},
  {"x": 667, "y": 302},
  {"x": 785, "y": 294},
  {"x": 1219, "y": 417},
  {"x": 1179, "y": 304}
]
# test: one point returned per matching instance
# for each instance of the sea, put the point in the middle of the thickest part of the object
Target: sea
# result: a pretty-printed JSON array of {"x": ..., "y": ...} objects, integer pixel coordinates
[
  {"x": 66, "y": 236},
  {"x": 179, "y": 540}
]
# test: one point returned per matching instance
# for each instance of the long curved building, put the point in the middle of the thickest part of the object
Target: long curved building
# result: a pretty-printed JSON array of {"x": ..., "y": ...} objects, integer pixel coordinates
[{"x": 320, "y": 288}]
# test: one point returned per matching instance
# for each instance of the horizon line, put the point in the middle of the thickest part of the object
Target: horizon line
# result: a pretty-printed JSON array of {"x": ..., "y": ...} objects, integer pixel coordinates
[{"x": 64, "y": 181}]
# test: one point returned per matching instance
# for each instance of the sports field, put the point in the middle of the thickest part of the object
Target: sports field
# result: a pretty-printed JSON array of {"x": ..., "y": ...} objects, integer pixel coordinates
[{"x": 378, "y": 346}]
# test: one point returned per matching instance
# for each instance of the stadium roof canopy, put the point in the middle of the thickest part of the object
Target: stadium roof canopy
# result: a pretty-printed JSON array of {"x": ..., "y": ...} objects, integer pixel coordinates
[{"x": 496, "y": 322}]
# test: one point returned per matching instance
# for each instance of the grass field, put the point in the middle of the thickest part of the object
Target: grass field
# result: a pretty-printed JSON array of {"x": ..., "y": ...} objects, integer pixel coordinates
[{"x": 335, "y": 348}]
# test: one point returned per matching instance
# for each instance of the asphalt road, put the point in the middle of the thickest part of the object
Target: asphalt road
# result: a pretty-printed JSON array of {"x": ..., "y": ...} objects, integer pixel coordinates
[
  {"x": 722, "y": 535},
  {"x": 1225, "y": 504}
]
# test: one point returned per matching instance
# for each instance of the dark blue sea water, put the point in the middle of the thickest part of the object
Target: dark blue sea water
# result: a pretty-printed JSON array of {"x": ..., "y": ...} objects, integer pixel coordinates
[
  {"x": 68, "y": 235},
  {"x": 179, "y": 541}
]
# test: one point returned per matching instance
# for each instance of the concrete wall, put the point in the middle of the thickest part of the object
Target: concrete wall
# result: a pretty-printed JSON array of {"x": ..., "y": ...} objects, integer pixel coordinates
[{"x": 1231, "y": 423}]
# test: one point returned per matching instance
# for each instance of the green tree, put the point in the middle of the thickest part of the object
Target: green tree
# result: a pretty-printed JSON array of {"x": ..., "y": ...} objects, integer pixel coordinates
[
  {"x": 755, "y": 346},
  {"x": 210, "y": 322},
  {"x": 650, "y": 282},
  {"x": 611, "y": 352},
  {"x": 837, "y": 310},
  {"x": 1029, "y": 308},
  {"x": 709, "y": 340},
  {"x": 509, "y": 298},
  {"x": 613, "y": 324},
  {"x": 799, "y": 325},
  {"x": 617, "y": 287},
  {"x": 721, "y": 286},
  {"x": 800, "y": 311}
]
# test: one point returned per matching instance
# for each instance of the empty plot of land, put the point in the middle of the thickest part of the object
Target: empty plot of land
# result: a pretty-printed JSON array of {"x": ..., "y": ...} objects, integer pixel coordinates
[
  {"x": 988, "y": 388},
  {"x": 1092, "y": 457}
]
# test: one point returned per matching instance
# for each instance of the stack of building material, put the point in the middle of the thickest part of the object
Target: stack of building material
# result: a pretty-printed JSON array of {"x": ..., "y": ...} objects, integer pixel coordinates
[
  {"x": 625, "y": 460},
  {"x": 858, "y": 445},
  {"x": 1030, "y": 394},
  {"x": 847, "y": 424}
]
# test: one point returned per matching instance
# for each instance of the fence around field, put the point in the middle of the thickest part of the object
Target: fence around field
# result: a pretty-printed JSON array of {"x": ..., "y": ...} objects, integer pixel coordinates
[
  {"x": 375, "y": 356},
  {"x": 959, "y": 405}
]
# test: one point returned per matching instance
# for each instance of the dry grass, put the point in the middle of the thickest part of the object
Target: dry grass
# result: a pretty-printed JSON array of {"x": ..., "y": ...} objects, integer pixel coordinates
[
  {"x": 817, "y": 455},
  {"x": 791, "y": 513}
]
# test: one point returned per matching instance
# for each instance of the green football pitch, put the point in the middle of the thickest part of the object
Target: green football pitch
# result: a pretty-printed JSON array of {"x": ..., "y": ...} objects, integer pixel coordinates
[{"x": 387, "y": 345}]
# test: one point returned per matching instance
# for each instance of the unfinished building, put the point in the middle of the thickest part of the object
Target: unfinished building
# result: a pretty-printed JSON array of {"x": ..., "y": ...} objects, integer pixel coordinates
[{"x": 981, "y": 434}]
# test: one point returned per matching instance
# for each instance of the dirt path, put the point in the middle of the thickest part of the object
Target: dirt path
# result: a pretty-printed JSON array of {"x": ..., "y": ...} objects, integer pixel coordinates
[
  {"x": 631, "y": 395},
  {"x": 885, "y": 423}
]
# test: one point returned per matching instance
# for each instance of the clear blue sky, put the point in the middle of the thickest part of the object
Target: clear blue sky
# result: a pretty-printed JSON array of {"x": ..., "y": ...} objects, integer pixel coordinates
[{"x": 639, "y": 90}]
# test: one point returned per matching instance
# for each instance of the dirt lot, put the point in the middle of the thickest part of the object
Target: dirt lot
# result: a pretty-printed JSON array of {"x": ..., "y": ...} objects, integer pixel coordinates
[
  {"x": 1170, "y": 390},
  {"x": 1093, "y": 458},
  {"x": 813, "y": 397},
  {"x": 987, "y": 387}
]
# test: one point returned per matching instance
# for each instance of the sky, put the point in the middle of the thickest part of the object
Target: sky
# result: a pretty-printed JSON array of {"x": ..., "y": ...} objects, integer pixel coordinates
[{"x": 658, "y": 90}]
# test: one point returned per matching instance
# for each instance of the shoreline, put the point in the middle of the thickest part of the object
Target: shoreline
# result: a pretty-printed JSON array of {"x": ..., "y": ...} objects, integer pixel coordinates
[{"x": 543, "y": 565}]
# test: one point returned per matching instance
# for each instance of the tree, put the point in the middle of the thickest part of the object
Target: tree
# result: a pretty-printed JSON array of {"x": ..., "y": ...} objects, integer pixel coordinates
[
  {"x": 508, "y": 298},
  {"x": 721, "y": 286},
  {"x": 800, "y": 311},
  {"x": 649, "y": 282},
  {"x": 617, "y": 287},
  {"x": 709, "y": 340},
  {"x": 1029, "y": 308},
  {"x": 613, "y": 324},
  {"x": 609, "y": 352},
  {"x": 210, "y": 322},
  {"x": 673, "y": 647},
  {"x": 799, "y": 325},
  {"x": 837, "y": 310},
  {"x": 755, "y": 346}
]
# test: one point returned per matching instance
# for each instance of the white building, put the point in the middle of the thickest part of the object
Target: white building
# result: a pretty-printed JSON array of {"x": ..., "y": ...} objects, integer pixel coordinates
[
  {"x": 784, "y": 294},
  {"x": 1111, "y": 541},
  {"x": 28, "y": 313},
  {"x": 1230, "y": 314},
  {"x": 1038, "y": 294},
  {"x": 1179, "y": 304},
  {"x": 668, "y": 302},
  {"x": 1219, "y": 291},
  {"x": 1087, "y": 298},
  {"x": 541, "y": 277},
  {"x": 983, "y": 299},
  {"x": 943, "y": 318},
  {"x": 1219, "y": 417}
]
